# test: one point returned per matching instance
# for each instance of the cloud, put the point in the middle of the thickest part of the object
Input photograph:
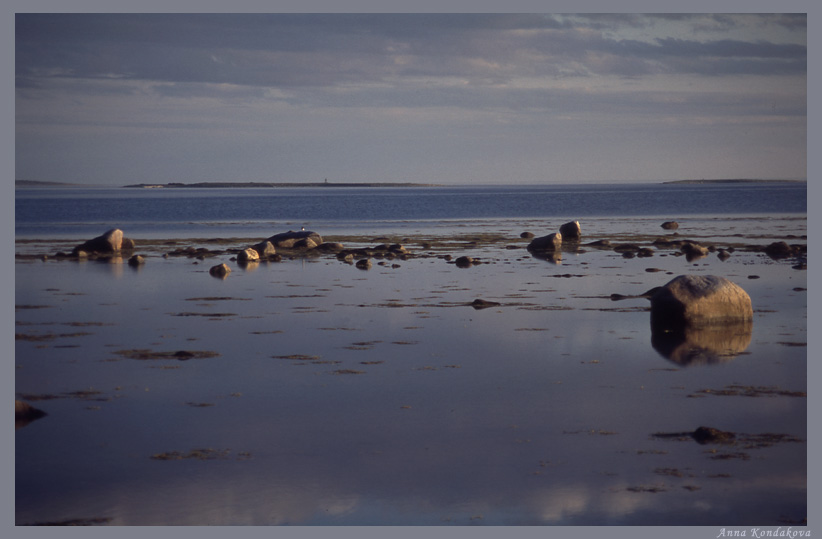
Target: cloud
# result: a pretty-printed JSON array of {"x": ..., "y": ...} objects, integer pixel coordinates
[{"x": 328, "y": 50}]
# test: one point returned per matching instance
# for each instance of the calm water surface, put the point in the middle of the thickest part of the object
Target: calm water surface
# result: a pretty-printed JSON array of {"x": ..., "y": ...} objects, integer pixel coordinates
[{"x": 348, "y": 397}]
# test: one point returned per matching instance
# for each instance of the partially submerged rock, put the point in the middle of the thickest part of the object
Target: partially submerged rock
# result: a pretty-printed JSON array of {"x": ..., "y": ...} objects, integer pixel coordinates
[
  {"x": 480, "y": 303},
  {"x": 303, "y": 239},
  {"x": 248, "y": 255},
  {"x": 136, "y": 261},
  {"x": 110, "y": 242},
  {"x": 265, "y": 249},
  {"x": 693, "y": 250},
  {"x": 24, "y": 413},
  {"x": 551, "y": 242},
  {"x": 670, "y": 225},
  {"x": 221, "y": 270},
  {"x": 698, "y": 300},
  {"x": 571, "y": 231},
  {"x": 464, "y": 262}
]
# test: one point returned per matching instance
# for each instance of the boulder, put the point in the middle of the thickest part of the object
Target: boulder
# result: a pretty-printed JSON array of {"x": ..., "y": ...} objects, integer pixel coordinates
[
  {"x": 694, "y": 251},
  {"x": 699, "y": 300},
  {"x": 220, "y": 271},
  {"x": 364, "y": 264},
  {"x": 464, "y": 262},
  {"x": 670, "y": 225},
  {"x": 304, "y": 239},
  {"x": 136, "y": 261},
  {"x": 109, "y": 242},
  {"x": 265, "y": 249},
  {"x": 526, "y": 235},
  {"x": 779, "y": 249},
  {"x": 25, "y": 413},
  {"x": 551, "y": 242},
  {"x": 248, "y": 255},
  {"x": 480, "y": 303},
  {"x": 570, "y": 231}
]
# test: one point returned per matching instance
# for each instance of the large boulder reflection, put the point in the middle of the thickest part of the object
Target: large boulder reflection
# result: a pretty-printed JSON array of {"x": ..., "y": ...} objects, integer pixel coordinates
[{"x": 689, "y": 345}]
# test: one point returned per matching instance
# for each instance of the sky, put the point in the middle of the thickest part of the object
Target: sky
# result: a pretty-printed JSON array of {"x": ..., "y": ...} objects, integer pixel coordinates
[{"x": 116, "y": 99}]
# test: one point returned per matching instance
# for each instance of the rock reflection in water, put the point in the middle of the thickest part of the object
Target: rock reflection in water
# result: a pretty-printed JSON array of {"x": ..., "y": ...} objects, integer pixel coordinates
[{"x": 702, "y": 345}]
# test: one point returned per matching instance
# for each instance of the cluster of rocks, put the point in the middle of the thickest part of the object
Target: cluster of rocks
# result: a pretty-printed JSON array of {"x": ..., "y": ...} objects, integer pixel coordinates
[{"x": 570, "y": 232}]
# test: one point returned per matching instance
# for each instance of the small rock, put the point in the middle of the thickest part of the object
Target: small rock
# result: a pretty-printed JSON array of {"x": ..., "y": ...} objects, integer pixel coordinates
[
  {"x": 220, "y": 271},
  {"x": 464, "y": 262},
  {"x": 364, "y": 264},
  {"x": 248, "y": 255},
  {"x": 136, "y": 260},
  {"x": 571, "y": 231},
  {"x": 670, "y": 225},
  {"x": 551, "y": 242}
]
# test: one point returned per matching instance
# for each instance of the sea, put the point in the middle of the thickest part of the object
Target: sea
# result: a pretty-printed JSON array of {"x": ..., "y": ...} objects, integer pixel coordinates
[
  {"x": 311, "y": 392},
  {"x": 203, "y": 212}
]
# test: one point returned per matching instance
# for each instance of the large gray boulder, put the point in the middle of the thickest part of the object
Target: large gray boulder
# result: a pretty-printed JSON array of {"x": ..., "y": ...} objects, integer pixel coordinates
[
  {"x": 112, "y": 241},
  {"x": 699, "y": 300},
  {"x": 551, "y": 242},
  {"x": 571, "y": 231},
  {"x": 303, "y": 239}
]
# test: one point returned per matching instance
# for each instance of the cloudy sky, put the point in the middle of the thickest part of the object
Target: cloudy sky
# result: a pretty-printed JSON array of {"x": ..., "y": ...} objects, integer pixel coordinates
[{"x": 113, "y": 99}]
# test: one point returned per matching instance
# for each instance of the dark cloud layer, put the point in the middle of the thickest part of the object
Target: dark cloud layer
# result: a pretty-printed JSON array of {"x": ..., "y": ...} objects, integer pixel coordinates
[
  {"x": 130, "y": 98},
  {"x": 326, "y": 50}
]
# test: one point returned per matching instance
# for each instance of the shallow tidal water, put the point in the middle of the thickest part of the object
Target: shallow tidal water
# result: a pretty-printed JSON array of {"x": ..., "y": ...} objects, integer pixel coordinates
[{"x": 310, "y": 392}]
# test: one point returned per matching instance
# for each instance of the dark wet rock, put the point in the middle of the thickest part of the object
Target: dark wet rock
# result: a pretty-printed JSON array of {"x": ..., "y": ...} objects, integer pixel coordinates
[
  {"x": 571, "y": 231},
  {"x": 221, "y": 270},
  {"x": 112, "y": 241},
  {"x": 396, "y": 248},
  {"x": 136, "y": 261},
  {"x": 483, "y": 304},
  {"x": 626, "y": 248},
  {"x": 24, "y": 413},
  {"x": 702, "y": 435},
  {"x": 330, "y": 247},
  {"x": 551, "y": 242},
  {"x": 464, "y": 262},
  {"x": 364, "y": 264},
  {"x": 710, "y": 435},
  {"x": 645, "y": 252},
  {"x": 779, "y": 250},
  {"x": 248, "y": 255},
  {"x": 723, "y": 255},
  {"x": 526, "y": 235},
  {"x": 600, "y": 244},
  {"x": 670, "y": 225},
  {"x": 666, "y": 243},
  {"x": 303, "y": 239},
  {"x": 693, "y": 251},
  {"x": 695, "y": 300}
]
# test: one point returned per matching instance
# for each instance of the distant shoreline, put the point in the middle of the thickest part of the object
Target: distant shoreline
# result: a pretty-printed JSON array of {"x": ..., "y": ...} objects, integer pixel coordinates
[
  {"x": 742, "y": 180},
  {"x": 242, "y": 185},
  {"x": 292, "y": 185}
]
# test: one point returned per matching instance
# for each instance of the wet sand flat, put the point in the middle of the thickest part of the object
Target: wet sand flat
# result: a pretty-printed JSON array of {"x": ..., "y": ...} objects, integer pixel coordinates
[{"x": 309, "y": 391}]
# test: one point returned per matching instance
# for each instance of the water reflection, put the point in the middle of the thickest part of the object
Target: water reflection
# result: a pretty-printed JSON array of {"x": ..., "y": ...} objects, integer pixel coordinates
[{"x": 689, "y": 346}]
